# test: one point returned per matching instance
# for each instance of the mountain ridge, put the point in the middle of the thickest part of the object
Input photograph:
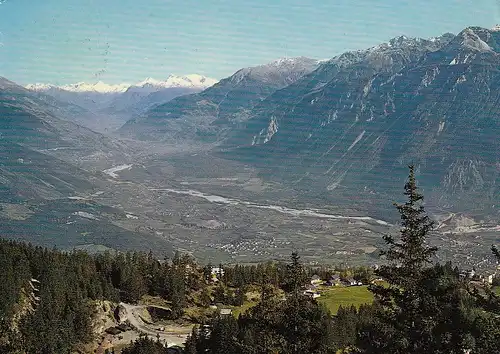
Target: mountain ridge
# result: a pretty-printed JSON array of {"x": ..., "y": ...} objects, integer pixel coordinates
[
  {"x": 373, "y": 114},
  {"x": 207, "y": 114},
  {"x": 187, "y": 81}
]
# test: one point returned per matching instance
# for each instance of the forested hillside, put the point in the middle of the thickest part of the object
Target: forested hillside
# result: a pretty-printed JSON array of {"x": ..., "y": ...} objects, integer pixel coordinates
[{"x": 46, "y": 295}]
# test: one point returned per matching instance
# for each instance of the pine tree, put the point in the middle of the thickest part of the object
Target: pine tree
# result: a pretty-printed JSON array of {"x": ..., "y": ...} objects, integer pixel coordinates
[
  {"x": 223, "y": 335},
  {"x": 424, "y": 309},
  {"x": 239, "y": 296},
  {"x": 207, "y": 273},
  {"x": 398, "y": 322},
  {"x": 144, "y": 345},
  {"x": 205, "y": 297},
  {"x": 191, "y": 342},
  {"x": 220, "y": 293},
  {"x": 411, "y": 255},
  {"x": 293, "y": 323},
  {"x": 295, "y": 276},
  {"x": 178, "y": 291}
]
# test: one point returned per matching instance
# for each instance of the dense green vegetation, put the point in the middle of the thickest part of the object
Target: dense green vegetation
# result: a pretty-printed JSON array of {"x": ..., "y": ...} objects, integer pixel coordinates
[
  {"x": 47, "y": 300},
  {"x": 46, "y": 295},
  {"x": 144, "y": 345}
]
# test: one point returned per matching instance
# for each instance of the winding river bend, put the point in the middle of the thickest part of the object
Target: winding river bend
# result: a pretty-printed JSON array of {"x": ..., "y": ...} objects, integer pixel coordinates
[
  {"x": 314, "y": 213},
  {"x": 281, "y": 209}
]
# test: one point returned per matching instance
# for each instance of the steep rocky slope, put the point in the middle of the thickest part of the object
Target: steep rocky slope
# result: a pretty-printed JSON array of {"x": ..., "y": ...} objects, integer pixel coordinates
[
  {"x": 208, "y": 114},
  {"x": 349, "y": 129}
]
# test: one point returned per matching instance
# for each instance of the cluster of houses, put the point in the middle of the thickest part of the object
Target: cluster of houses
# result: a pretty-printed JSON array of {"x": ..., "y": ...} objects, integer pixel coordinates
[
  {"x": 474, "y": 276},
  {"x": 311, "y": 289}
]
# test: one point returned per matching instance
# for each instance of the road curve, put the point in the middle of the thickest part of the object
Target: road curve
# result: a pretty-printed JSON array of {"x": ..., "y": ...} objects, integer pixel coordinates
[{"x": 134, "y": 319}]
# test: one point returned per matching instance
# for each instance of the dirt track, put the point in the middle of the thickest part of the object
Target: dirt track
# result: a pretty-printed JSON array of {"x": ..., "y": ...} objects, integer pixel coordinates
[{"x": 176, "y": 337}]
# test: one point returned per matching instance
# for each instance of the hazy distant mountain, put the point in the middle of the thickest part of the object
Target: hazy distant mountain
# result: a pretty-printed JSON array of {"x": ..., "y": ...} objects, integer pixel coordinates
[
  {"x": 144, "y": 94},
  {"x": 25, "y": 131},
  {"x": 348, "y": 129},
  {"x": 30, "y": 125},
  {"x": 112, "y": 105},
  {"x": 39, "y": 177},
  {"x": 206, "y": 114}
]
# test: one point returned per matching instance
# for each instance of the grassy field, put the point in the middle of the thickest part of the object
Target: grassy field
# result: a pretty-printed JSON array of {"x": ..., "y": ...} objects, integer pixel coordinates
[
  {"x": 334, "y": 297},
  {"x": 496, "y": 290}
]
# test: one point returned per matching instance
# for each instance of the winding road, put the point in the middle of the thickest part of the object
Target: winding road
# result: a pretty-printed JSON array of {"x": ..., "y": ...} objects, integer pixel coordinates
[{"x": 172, "y": 338}]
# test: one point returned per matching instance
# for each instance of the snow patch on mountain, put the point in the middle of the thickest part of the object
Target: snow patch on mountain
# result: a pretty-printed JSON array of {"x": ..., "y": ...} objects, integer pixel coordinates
[
  {"x": 271, "y": 129},
  {"x": 86, "y": 215},
  {"x": 286, "y": 61},
  {"x": 441, "y": 127},
  {"x": 429, "y": 77}
]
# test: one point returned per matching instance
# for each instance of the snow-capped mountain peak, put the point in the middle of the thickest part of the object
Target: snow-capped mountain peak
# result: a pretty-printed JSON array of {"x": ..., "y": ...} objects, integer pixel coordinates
[
  {"x": 192, "y": 80},
  {"x": 39, "y": 87},
  {"x": 290, "y": 61},
  {"x": 148, "y": 81},
  {"x": 188, "y": 81},
  {"x": 98, "y": 87}
]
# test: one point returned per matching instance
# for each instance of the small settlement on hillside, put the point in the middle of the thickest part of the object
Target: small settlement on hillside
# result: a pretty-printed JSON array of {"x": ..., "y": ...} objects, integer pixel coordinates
[{"x": 312, "y": 289}]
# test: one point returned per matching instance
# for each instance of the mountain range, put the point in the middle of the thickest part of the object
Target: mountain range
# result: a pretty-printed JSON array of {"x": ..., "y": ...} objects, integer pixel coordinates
[
  {"x": 340, "y": 132},
  {"x": 112, "y": 105},
  {"x": 350, "y": 125},
  {"x": 208, "y": 114}
]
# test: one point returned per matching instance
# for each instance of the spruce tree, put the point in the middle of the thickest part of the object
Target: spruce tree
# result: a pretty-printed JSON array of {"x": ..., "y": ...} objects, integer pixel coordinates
[
  {"x": 425, "y": 309},
  {"x": 409, "y": 256},
  {"x": 191, "y": 342},
  {"x": 295, "y": 280},
  {"x": 178, "y": 290},
  {"x": 397, "y": 328},
  {"x": 239, "y": 296},
  {"x": 295, "y": 276}
]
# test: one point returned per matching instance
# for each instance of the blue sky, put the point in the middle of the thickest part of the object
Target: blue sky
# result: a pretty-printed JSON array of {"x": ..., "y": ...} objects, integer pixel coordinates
[{"x": 66, "y": 41}]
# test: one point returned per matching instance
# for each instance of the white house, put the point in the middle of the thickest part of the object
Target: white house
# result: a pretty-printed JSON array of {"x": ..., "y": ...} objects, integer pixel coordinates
[
  {"x": 315, "y": 280},
  {"x": 311, "y": 293},
  {"x": 225, "y": 312},
  {"x": 217, "y": 271},
  {"x": 351, "y": 282}
]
